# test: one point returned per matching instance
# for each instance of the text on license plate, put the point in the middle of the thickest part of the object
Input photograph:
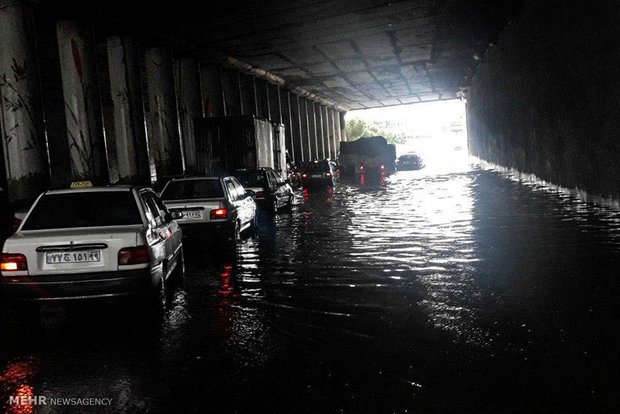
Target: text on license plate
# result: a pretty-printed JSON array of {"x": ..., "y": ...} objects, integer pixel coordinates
[
  {"x": 192, "y": 214},
  {"x": 84, "y": 256}
]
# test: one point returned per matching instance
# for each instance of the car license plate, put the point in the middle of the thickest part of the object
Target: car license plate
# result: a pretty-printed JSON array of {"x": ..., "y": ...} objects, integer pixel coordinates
[
  {"x": 192, "y": 214},
  {"x": 83, "y": 256},
  {"x": 316, "y": 176}
]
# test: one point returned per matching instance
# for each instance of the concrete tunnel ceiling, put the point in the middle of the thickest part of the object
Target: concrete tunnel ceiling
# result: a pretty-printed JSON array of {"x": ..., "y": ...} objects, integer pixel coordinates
[{"x": 355, "y": 53}]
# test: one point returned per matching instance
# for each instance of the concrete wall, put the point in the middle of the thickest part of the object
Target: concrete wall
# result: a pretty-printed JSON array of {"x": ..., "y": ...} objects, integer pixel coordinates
[{"x": 545, "y": 99}]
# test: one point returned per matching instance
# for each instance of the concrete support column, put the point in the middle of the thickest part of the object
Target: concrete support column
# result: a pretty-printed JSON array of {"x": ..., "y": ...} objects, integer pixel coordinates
[
  {"x": 320, "y": 132},
  {"x": 306, "y": 132},
  {"x": 275, "y": 103},
  {"x": 21, "y": 114},
  {"x": 189, "y": 107},
  {"x": 80, "y": 89},
  {"x": 247, "y": 95},
  {"x": 126, "y": 89},
  {"x": 312, "y": 134},
  {"x": 285, "y": 112},
  {"x": 330, "y": 132},
  {"x": 164, "y": 141},
  {"x": 334, "y": 128},
  {"x": 211, "y": 89},
  {"x": 342, "y": 126},
  {"x": 296, "y": 127},
  {"x": 326, "y": 132},
  {"x": 230, "y": 92},
  {"x": 262, "y": 99}
]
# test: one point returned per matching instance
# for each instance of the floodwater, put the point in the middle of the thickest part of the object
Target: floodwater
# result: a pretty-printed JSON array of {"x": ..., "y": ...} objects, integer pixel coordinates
[{"x": 458, "y": 291}]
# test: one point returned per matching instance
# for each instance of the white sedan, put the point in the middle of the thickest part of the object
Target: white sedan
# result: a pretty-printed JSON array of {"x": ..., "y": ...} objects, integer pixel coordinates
[
  {"x": 211, "y": 206},
  {"x": 92, "y": 243}
]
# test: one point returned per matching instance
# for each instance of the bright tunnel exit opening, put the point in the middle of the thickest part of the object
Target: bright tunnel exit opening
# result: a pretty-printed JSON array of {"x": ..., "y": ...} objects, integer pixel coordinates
[{"x": 436, "y": 131}]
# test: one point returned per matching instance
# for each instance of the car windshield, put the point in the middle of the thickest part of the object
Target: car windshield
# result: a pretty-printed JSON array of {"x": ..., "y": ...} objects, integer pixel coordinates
[
  {"x": 189, "y": 189},
  {"x": 84, "y": 209},
  {"x": 321, "y": 166},
  {"x": 251, "y": 178}
]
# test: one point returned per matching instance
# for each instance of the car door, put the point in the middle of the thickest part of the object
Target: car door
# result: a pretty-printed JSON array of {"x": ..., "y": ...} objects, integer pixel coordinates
[{"x": 158, "y": 233}]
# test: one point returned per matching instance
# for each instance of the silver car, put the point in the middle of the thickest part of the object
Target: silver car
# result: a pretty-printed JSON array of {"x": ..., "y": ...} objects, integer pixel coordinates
[{"x": 211, "y": 205}]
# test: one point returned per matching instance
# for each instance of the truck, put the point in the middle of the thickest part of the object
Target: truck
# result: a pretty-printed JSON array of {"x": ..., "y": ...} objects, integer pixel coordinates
[
  {"x": 369, "y": 157},
  {"x": 228, "y": 143}
]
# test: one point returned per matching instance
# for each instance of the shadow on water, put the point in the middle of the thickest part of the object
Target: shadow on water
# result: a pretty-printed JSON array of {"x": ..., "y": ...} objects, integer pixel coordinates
[{"x": 455, "y": 292}]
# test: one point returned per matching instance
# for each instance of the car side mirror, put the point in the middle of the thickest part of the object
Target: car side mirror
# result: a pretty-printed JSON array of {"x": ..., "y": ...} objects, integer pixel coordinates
[{"x": 176, "y": 215}]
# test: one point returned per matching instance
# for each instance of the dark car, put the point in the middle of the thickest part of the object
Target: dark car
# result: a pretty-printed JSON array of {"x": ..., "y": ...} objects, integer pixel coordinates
[
  {"x": 319, "y": 173},
  {"x": 409, "y": 162},
  {"x": 269, "y": 190}
]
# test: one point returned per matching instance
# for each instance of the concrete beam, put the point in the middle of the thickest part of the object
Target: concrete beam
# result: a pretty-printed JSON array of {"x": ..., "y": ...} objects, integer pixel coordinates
[
  {"x": 189, "y": 107},
  {"x": 126, "y": 90},
  {"x": 21, "y": 114},
  {"x": 164, "y": 141},
  {"x": 80, "y": 88}
]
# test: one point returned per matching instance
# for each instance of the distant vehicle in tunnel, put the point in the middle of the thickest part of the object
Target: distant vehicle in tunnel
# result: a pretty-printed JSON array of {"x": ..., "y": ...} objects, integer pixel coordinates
[
  {"x": 92, "y": 243},
  {"x": 268, "y": 189},
  {"x": 409, "y": 162},
  {"x": 371, "y": 157},
  {"x": 211, "y": 206},
  {"x": 319, "y": 173}
]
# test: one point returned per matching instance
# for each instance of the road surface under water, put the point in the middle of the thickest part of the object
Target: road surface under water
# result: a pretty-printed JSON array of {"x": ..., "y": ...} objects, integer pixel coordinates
[{"x": 435, "y": 292}]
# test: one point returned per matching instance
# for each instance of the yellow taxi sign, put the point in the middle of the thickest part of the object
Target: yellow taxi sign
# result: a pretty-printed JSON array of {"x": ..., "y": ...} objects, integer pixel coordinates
[{"x": 82, "y": 184}]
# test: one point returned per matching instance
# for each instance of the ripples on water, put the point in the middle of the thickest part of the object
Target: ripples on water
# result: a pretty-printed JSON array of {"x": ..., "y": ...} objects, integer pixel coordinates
[{"x": 439, "y": 291}]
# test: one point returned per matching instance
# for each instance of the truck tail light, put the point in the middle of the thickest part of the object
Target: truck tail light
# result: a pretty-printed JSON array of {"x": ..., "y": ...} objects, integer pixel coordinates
[
  {"x": 221, "y": 213},
  {"x": 11, "y": 262},
  {"x": 328, "y": 174},
  {"x": 304, "y": 175},
  {"x": 133, "y": 255}
]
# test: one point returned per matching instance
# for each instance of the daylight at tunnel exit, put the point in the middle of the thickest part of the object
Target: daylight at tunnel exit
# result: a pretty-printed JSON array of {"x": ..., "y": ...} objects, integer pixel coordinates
[{"x": 318, "y": 206}]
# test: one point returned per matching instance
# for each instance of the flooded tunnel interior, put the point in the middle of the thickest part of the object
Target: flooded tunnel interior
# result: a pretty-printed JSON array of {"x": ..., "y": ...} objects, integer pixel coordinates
[{"x": 480, "y": 280}]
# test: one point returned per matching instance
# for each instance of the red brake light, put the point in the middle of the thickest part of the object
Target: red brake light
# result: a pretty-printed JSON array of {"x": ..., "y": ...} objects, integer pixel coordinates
[
  {"x": 133, "y": 255},
  {"x": 328, "y": 174},
  {"x": 221, "y": 213},
  {"x": 11, "y": 262},
  {"x": 304, "y": 175},
  {"x": 362, "y": 168},
  {"x": 383, "y": 167}
]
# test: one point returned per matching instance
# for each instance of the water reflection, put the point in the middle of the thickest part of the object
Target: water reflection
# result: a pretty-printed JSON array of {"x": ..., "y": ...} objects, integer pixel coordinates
[{"x": 430, "y": 291}]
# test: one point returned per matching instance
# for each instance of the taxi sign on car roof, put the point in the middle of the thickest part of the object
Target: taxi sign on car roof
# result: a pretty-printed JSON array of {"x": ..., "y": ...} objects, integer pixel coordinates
[{"x": 82, "y": 184}]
